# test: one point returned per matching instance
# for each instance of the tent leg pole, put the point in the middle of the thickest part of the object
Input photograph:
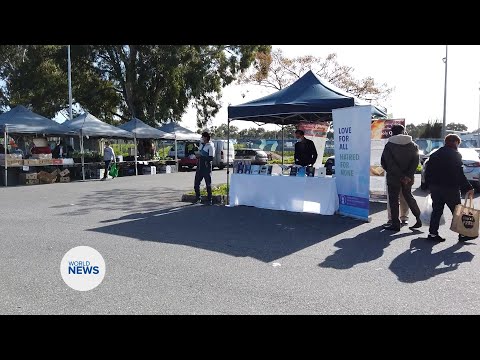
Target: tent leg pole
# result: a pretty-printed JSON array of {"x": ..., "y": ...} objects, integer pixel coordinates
[
  {"x": 176, "y": 154},
  {"x": 136, "y": 161},
  {"x": 6, "y": 160},
  {"x": 283, "y": 143},
  {"x": 83, "y": 157},
  {"x": 228, "y": 165}
]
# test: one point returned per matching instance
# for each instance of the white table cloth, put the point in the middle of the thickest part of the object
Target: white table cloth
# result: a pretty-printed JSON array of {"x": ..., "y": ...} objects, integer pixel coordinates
[{"x": 299, "y": 194}]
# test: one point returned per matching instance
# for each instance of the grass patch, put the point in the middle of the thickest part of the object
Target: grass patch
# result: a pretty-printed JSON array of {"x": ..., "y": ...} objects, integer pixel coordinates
[{"x": 216, "y": 190}]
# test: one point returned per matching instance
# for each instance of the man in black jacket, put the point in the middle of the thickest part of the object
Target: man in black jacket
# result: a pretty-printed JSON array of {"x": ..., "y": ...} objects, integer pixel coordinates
[
  {"x": 305, "y": 152},
  {"x": 445, "y": 178},
  {"x": 400, "y": 160}
]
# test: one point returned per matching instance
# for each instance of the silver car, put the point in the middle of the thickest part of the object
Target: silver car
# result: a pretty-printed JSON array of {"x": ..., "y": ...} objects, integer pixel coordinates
[{"x": 471, "y": 167}]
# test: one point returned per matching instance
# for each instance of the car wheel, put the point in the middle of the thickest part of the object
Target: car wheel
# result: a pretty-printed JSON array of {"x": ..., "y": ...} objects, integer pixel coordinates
[{"x": 221, "y": 167}]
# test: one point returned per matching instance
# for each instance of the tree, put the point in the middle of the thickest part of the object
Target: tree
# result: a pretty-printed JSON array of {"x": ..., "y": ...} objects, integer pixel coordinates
[
  {"x": 457, "y": 127},
  {"x": 221, "y": 132},
  {"x": 431, "y": 130},
  {"x": 412, "y": 130},
  {"x": 36, "y": 76},
  {"x": 275, "y": 70},
  {"x": 155, "y": 83}
]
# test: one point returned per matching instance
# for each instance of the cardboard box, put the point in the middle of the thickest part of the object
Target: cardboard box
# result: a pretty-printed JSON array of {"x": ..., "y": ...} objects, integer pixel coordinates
[
  {"x": 31, "y": 162},
  {"x": 46, "y": 178},
  {"x": 64, "y": 179},
  {"x": 12, "y": 162},
  {"x": 25, "y": 178},
  {"x": 42, "y": 156},
  {"x": 45, "y": 162},
  {"x": 64, "y": 172},
  {"x": 32, "y": 182}
]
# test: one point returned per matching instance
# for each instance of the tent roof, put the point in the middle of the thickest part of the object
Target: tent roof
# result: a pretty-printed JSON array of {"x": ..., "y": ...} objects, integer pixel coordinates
[
  {"x": 180, "y": 132},
  {"x": 91, "y": 126},
  {"x": 20, "y": 120},
  {"x": 307, "y": 99},
  {"x": 144, "y": 131}
]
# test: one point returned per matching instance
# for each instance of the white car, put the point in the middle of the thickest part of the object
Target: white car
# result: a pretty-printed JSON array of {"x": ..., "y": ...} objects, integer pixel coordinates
[{"x": 471, "y": 167}]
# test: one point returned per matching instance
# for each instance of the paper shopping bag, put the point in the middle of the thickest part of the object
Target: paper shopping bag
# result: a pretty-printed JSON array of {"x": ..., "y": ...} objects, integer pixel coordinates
[{"x": 465, "y": 219}]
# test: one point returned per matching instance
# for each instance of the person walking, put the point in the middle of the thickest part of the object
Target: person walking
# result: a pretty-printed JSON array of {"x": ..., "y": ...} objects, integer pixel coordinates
[
  {"x": 400, "y": 160},
  {"x": 204, "y": 167},
  {"x": 108, "y": 157},
  {"x": 445, "y": 179}
]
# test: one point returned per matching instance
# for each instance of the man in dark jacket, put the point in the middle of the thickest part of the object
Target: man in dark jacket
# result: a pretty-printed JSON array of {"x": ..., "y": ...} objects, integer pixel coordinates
[
  {"x": 445, "y": 178},
  {"x": 400, "y": 160},
  {"x": 305, "y": 152}
]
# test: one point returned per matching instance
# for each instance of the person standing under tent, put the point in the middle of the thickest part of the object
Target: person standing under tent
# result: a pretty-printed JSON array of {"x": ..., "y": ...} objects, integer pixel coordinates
[
  {"x": 305, "y": 151},
  {"x": 108, "y": 157},
  {"x": 204, "y": 167}
]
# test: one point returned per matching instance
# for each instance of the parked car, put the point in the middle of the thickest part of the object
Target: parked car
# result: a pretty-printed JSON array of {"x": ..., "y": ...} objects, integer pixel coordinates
[
  {"x": 330, "y": 165},
  {"x": 221, "y": 150},
  {"x": 256, "y": 156},
  {"x": 185, "y": 160},
  {"x": 471, "y": 167}
]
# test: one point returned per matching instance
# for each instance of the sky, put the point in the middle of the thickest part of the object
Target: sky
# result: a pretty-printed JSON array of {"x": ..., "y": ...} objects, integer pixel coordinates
[{"x": 416, "y": 72}]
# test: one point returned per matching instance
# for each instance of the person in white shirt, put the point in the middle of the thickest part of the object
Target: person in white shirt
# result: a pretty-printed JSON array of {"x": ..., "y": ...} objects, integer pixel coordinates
[
  {"x": 204, "y": 167},
  {"x": 108, "y": 157}
]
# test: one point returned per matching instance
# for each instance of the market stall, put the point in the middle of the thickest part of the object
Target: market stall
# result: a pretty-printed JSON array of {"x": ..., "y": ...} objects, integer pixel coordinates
[
  {"x": 181, "y": 134},
  {"x": 308, "y": 100},
  {"x": 36, "y": 128},
  {"x": 142, "y": 132},
  {"x": 87, "y": 125}
]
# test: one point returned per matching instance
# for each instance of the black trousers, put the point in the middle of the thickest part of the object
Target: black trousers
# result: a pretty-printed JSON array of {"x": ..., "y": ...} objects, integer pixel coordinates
[
  {"x": 442, "y": 195},
  {"x": 394, "y": 198},
  {"x": 107, "y": 166},
  {"x": 199, "y": 176}
]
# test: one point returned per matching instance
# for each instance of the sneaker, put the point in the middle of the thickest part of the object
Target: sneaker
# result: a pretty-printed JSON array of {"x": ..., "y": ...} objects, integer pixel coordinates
[
  {"x": 437, "y": 237},
  {"x": 103, "y": 179},
  {"x": 404, "y": 223},
  {"x": 465, "y": 238},
  {"x": 392, "y": 227},
  {"x": 417, "y": 225},
  {"x": 197, "y": 201}
]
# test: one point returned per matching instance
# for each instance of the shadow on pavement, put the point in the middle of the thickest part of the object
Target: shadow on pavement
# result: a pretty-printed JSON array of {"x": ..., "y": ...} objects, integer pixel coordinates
[
  {"x": 119, "y": 199},
  {"x": 419, "y": 263},
  {"x": 240, "y": 231},
  {"x": 363, "y": 248}
]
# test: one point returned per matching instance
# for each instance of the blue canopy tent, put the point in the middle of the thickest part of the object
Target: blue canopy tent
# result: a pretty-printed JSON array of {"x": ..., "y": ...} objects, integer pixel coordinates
[
  {"x": 88, "y": 125},
  {"x": 143, "y": 131},
  {"x": 21, "y": 120},
  {"x": 309, "y": 99}
]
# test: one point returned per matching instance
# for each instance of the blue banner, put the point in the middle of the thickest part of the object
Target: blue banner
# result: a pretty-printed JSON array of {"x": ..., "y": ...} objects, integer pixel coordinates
[{"x": 352, "y": 160}]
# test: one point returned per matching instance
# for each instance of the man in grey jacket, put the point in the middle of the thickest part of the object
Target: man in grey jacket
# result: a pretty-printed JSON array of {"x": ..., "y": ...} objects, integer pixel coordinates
[{"x": 400, "y": 160}]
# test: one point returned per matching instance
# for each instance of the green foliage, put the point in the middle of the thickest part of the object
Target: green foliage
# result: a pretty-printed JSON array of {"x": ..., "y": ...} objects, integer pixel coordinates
[
  {"x": 431, "y": 130},
  {"x": 419, "y": 168},
  {"x": 286, "y": 160},
  {"x": 155, "y": 83},
  {"x": 216, "y": 190},
  {"x": 457, "y": 127}
]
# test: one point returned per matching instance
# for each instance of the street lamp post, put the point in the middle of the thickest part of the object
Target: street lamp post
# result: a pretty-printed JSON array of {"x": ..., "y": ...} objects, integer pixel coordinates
[{"x": 444, "y": 127}]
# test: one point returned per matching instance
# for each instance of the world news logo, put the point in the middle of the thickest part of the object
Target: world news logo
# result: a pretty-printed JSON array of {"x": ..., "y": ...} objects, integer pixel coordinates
[{"x": 78, "y": 267}]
